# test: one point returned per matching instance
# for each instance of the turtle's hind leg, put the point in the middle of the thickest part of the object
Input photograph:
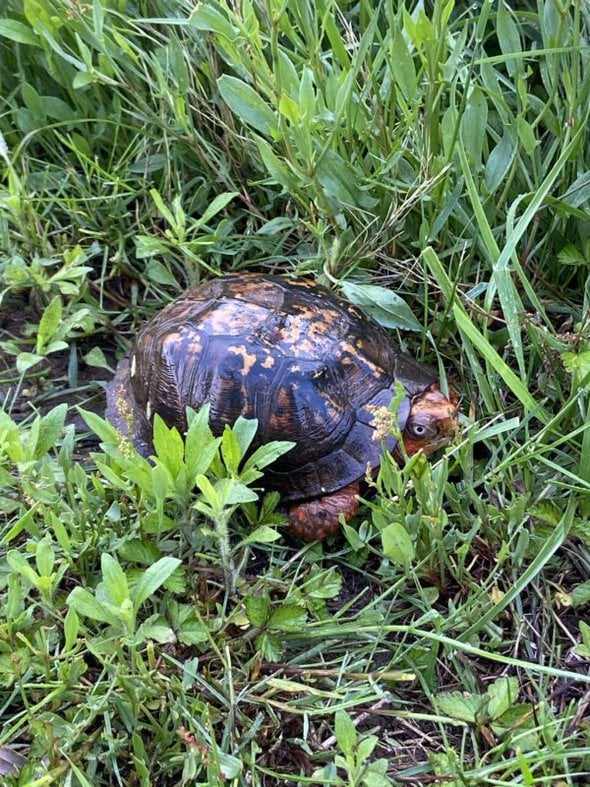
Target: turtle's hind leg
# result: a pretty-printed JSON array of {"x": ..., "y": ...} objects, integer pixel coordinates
[{"x": 315, "y": 519}]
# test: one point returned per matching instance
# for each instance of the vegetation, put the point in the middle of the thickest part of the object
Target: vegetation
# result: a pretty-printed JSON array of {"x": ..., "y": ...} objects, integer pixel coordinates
[{"x": 429, "y": 160}]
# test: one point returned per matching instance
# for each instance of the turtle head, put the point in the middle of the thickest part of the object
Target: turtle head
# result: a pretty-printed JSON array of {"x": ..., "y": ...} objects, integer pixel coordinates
[{"x": 432, "y": 420}]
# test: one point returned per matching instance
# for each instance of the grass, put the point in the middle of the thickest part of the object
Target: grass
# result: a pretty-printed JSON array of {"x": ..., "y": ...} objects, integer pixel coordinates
[{"x": 155, "y": 625}]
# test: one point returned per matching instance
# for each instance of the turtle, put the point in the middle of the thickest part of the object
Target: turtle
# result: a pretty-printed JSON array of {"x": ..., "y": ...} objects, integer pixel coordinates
[{"x": 310, "y": 367}]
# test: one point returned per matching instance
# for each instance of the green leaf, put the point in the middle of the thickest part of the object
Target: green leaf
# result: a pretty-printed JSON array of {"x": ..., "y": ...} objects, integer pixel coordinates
[
  {"x": 156, "y": 630},
  {"x": 161, "y": 482},
  {"x": 49, "y": 323},
  {"x": 269, "y": 646},
  {"x": 324, "y": 584},
  {"x": 502, "y": 695},
  {"x": 27, "y": 523},
  {"x": 547, "y": 511},
  {"x": 262, "y": 535},
  {"x": 352, "y": 536},
  {"x": 168, "y": 445},
  {"x": 50, "y": 428},
  {"x": 288, "y": 617},
  {"x": 287, "y": 73},
  {"x": 32, "y": 101},
  {"x": 235, "y": 492},
  {"x": 570, "y": 254},
  {"x": 247, "y": 105},
  {"x": 18, "y": 32},
  {"x": 345, "y": 731},
  {"x": 217, "y": 205},
  {"x": 585, "y": 633},
  {"x": 397, "y": 544},
  {"x": 522, "y": 721},
  {"x": 339, "y": 180},
  {"x": 457, "y": 705},
  {"x": 163, "y": 208},
  {"x": 210, "y": 494},
  {"x": 402, "y": 65},
  {"x": 339, "y": 47},
  {"x": 200, "y": 445},
  {"x": 578, "y": 365},
  {"x": 231, "y": 450},
  {"x": 84, "y": 603},
  {"x": 526, "y": 135},
  {"x": 26, "y": 360},
  {"x": 137, "y": 550},
  {"x": 71, "y": 628},
  {"x": 375, "y": 777},
  {"x": 275, "y": 166},
  {"x": 500, "y": 160},
  {"x": 39, "y": 17},
  {"x": 257, "y": 610},
  {"x": 45, "y": 556},
  {"x": 307, "y": 98},
  {"x": 58, "y": 110},
  {"x": 159, "y": 273},
  {"x": 152, "y": 578},
  {"x": 96, "y": 357},
  {"x": 508, "y": 35},
  {"x": 473, "y": 126},
  {"x": 245, "y": 430},
  {"x": 230, "y": 766},
  {"x": 55, "y": 346},
  {"x": 383, "y": 305},
  {"x": 105, "y": 432},
  {"x": 10, "y": 437},
  {"x": 192, "y": 631},
  {"x": 206, "y": 17},
  {"x": 114, "y": 579},
  {"x": 366, "y": 747},
  {"x": 21, "y": 565},
  {"x": 581, "y": 594},
  {"x": 579, "y": 192},
  {"x": 267, "y": 454},
  {"x": 277, "y": 225},
  {"x": 147, "y": 246},
  {"x": 289, "y": 108}
]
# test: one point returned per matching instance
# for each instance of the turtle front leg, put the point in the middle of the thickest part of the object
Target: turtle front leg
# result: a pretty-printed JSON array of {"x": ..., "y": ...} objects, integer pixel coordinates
[{"x": 315, "y": 519}]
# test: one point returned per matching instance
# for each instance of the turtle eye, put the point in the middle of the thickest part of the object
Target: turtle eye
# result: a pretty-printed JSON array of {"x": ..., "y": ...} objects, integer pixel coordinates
[{"x": 420, "y": 430}]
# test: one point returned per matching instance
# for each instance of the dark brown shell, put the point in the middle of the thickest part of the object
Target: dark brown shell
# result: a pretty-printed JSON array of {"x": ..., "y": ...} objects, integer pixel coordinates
[{"x": 307, "y": 365}]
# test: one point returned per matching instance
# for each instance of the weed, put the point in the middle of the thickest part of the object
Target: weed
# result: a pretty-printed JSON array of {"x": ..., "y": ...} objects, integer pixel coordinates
[{"x": 430, "y": 162}]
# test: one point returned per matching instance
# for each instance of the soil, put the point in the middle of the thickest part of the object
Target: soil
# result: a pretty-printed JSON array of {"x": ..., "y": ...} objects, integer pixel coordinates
[{"x": 60, "y": 377}]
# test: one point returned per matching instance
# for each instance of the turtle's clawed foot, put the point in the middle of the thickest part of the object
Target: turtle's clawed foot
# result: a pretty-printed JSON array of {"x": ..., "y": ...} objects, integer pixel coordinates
[{"x": 315, "y": 519}]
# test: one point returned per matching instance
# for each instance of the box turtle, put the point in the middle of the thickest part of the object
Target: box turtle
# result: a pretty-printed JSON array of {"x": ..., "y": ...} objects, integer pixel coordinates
[{"x": 310, "y": 367}]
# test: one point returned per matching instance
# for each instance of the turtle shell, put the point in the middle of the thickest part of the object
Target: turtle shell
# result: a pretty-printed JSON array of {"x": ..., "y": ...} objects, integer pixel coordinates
[{"x": 310, "y": 367}]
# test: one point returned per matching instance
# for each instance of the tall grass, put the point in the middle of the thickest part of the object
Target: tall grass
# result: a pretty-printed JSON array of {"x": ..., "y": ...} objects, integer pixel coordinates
[{"x": 434, "y": 150}]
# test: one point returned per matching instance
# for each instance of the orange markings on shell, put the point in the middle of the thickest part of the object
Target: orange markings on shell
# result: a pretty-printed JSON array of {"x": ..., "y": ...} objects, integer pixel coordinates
[{"x": 248, "y": 358}]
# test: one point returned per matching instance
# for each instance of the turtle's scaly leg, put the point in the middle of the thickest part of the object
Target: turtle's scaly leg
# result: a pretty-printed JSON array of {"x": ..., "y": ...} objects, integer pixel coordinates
[{"x": 317, "y": 518}]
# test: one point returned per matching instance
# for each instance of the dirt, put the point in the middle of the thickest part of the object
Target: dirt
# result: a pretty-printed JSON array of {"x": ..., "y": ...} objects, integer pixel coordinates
[{"x": 60, "y": 377}]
